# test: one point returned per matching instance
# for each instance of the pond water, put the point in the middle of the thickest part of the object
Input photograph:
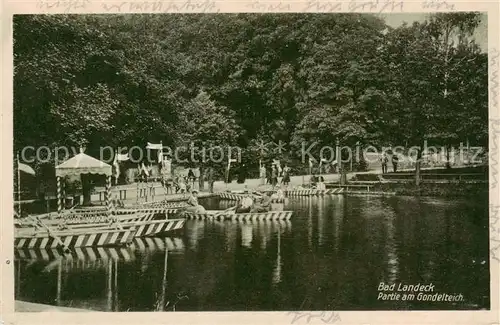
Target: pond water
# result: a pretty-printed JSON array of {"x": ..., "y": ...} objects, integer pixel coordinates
[{"x": 332, "y": 255}]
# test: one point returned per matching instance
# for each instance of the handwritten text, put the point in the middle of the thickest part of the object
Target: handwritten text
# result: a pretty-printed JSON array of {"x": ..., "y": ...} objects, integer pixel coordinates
[
  {"x": 495, "y": 232},
  {"x": 376, "y": 6},
  {"x": 162, "y": 6},
  {"x": 437, "y": 5},
  {"x": 264, "y": 7},
  {"x": 65, "y": 5}
]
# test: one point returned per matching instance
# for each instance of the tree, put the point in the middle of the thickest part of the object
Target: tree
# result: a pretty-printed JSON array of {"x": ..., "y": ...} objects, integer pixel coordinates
[{"x": 211, "y": 128}]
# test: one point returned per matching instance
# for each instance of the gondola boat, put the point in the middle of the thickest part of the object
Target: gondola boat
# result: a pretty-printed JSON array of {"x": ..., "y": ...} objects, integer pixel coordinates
[
  {"x": 228, "y": 196},
  {"x": 313, "y": 192},
  {"x": 142, "y": 228},
  {"x": 31, "y": 237},
  {"x": 233, "y": 196},
  {"x": 257, "y": 216}
]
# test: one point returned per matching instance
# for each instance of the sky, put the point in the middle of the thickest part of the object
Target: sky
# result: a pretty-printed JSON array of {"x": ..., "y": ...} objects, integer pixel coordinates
[{"x": 395, "y": 20}]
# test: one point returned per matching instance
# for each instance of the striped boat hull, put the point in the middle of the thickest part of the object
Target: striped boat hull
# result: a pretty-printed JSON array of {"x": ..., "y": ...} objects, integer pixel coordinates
[
  {"x": 40, "y": 239},
  {"x": 230, "y": 196},
  {"x": 284, "y": 224},
  {"x": 122, "y": 211},
  {"x": 312, "y": 192},
  {"x": 144, "y": 228},
  {"x": 157, "y": 210},
  {"x": 160, "y": 204},
  {"x": 267, "y": 216},
  {"x": 172, "y": 198},
  {"x": 155, "y": 227},
  {"x": 291, "y": 193},
  {"x": 98, "y": 220}
]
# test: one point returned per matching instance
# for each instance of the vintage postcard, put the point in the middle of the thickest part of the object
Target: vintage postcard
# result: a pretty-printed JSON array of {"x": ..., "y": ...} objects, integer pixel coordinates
[{"x": 223, "y": 162}]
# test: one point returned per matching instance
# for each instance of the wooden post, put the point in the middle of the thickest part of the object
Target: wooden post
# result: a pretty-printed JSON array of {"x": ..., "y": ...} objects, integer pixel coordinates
[
  {"x": 59, "y": 282},
  {"x": 109, "y": 203},
  {"x": 164, "y": 286},
  {"x": 18, "y": 278},
  {"x": 59, "y": 205},
  {"x": 18, "y": 187},
  {"x": 115, "y": 289},
  {"x": 137, "y": 191},
  {"x": 110, "y": 284},
  {"x": 339, "y": 162}
]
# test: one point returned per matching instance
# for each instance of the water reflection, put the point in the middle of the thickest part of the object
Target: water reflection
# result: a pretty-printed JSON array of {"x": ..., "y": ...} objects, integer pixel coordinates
[
  {"x": 195, "y": 232},
  {"x": 338, "y": 207},
  {"x": 391, "y": 248},
  {"x": 278, "y": 265},
  {"x": 246, "y": 235},
  {"x": 334, "y": 257}
]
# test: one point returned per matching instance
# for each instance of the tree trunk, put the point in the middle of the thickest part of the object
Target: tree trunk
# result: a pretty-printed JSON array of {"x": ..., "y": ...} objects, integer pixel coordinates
[
  {"x": 417, "y": 167},
  {"x": 86, "y": 189},
  {"x": 448, "y": 164},
  {"x": 201, "y": 180},
  {"x": 343, "y": 175},
  {"x": 211, "y": 179}
]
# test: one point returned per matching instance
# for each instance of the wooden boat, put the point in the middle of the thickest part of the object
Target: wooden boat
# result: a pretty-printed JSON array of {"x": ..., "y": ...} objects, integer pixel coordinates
[
  {"x": 164, "y": 209},
  {"x": 85, "y": 219},
  {"x": 101, "y": 218},
  {"x": 143, "y": 228},
  {"x": 169, "y": 199},
  {"x": 228, "y": 196},
  {"x": 223, "y": 215},
  {"x": 313, "y": 192},
  {"x": 232, "y": 196},
  {"x": 32, "y": 237}
]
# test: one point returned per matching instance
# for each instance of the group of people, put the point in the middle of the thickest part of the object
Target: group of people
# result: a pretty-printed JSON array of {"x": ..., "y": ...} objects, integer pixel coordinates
[
  {"x": 251, "y": 203},
  {"x": 274, "y": 175},
  {"x": 179, "y": 184},
  {"x": 254, "y": 203},
  {"x": 318, "y": 182},
  {"x": 384, "y": 160}
]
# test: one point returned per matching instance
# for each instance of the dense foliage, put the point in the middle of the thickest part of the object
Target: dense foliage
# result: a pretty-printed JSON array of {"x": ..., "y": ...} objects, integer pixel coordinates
[{"x": 237, "y": 79}]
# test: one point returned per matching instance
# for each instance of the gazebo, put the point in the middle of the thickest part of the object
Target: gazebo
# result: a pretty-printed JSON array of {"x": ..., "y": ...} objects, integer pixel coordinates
[{"x": 83, "y": 164}]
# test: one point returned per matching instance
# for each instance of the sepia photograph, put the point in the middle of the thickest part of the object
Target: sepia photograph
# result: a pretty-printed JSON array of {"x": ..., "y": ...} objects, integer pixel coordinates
[{"x": 251, "y": 162}]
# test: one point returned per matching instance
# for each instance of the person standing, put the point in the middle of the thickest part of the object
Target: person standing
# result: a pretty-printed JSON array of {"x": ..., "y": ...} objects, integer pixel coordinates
[
  {"x": 286, "y": 175},
  {"x": 191, "y": 177},
  {"x": 274, "y": 175},
  {"x": 313, "y": 181},
  {"x": 280, "y": 173},
  {"x": 384, "y": 160},
  {"x": 211, "y": 179},
  {"x": 321, "y": 184},
  {"x": 182, "y": 185},
  {"x": 262, "y": 174},
  {"x": 269, "y": 175},
  {"x": 395, "y": 160}
]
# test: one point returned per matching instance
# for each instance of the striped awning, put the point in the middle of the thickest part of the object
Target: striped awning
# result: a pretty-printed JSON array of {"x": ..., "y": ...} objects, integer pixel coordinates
[{"x": 83, "y": 164}]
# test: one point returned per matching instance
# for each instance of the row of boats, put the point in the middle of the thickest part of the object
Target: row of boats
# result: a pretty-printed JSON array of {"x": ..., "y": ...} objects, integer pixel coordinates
[{"x": 97, "y": 227}]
